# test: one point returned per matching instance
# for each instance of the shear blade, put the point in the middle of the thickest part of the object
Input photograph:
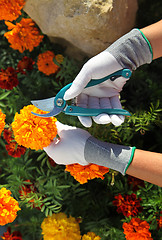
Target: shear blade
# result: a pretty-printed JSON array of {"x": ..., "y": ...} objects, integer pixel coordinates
[
  {"x": 45, "y": 104},
  {"x": 55, "y": 111}
]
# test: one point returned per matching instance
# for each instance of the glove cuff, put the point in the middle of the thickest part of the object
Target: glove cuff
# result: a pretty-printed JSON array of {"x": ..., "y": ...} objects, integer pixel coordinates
[
  {"x": 113, "y": 156},
  {"x": 132, "y": 50}
]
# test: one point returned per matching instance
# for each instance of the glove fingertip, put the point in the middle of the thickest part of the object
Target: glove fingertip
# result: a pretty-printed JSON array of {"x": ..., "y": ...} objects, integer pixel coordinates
[
  {"x": 85, "y": 121},
  {"x": 67, "y": 95},
  {"x": 73, "y": 91},
  {"x": 116, "y": 121}
]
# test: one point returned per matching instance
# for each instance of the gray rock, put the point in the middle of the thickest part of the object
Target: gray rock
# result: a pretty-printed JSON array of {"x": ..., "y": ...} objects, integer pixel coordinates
[{"x": 84, "y": 27}]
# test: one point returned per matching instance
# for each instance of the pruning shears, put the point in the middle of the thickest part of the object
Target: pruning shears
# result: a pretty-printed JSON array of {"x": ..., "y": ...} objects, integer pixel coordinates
[{"x": 57, "y": 104}]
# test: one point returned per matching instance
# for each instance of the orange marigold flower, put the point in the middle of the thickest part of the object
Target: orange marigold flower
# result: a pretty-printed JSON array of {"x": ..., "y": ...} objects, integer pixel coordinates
[
  {"x": 25, "y": 64},
  {"x": 137, "y": 229},
  {"x": 10, "y": 10},
  {"x": 129, "y": 205},
  {"x": 8, "y": 207},
  {"x": 84, "y": 173},
  {"x": 16, "y": 235},
  {"x": 46, "y": 64},
  {"x": 24, "y": 35},
  {"x": 59, "y": 58},
  {"x": 2, "y": 121},
  {"x": 90, "y": 236},
  {"x": 32, "y": 131},
  {"x": 8, "y": 78}
]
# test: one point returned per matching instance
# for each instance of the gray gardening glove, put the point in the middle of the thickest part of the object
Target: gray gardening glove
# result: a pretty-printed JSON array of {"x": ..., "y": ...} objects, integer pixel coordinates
[
  {"x": 130, "y": 51},
  {"x": 78, "y": 146}
]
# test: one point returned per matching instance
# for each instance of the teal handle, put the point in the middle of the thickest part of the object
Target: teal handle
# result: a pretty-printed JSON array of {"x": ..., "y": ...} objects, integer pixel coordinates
[
  {"x": 126, "y": 73},
  {"x": 79, "y": 111}
]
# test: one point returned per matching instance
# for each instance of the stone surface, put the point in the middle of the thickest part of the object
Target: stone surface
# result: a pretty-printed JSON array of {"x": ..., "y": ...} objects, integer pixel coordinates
[{"x": 83, "y": 26}]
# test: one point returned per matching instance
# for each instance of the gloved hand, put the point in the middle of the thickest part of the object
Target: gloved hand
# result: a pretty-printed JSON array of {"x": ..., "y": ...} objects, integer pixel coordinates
[
  {"x": 130, "y": 51},
  {"x": 70, "y": 148},
  {"x": 78, "y": 146}
]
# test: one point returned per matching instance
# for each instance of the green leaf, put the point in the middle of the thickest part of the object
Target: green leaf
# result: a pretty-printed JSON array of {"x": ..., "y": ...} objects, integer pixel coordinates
[{"x": 4, "y": 95}]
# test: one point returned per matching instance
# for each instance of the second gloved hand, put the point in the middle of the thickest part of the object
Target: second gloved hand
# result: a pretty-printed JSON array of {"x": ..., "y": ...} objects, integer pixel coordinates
[
  {"x": 70, "y": 148},
  {"x": 78, "y": 146}
]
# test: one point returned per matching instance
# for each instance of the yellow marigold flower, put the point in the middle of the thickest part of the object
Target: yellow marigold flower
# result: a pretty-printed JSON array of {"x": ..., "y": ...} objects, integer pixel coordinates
[
  {"x": 59, "y": 58},
  {"x": 32, "y": 131},
  {"x": 24, "y": 35},
  {"x": 46, "y": 64},
  {"x": 10, "y": 10},
  {"x": 84, "y": 173},
  {"x": 90, "y": 236},
  {"x": 8, "y": 207},
  {"x": 60, "y": 227},
  {"x": 2, "y": 121}
]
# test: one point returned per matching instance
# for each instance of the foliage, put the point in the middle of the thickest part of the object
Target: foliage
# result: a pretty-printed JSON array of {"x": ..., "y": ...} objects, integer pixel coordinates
[{"x": 55, "y": 190}]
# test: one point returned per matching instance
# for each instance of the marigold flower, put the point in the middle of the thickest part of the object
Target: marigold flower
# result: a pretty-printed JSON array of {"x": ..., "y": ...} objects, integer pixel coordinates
[
  {"x": 8, "y": 134},
  {"x": 16, "y": 235},
  {"x": 137, "y": 229},
  {"x": 90, "y": 236},
  {"x": 32, "y": 131},
  {"x": 52, "y": 162},
  {"x": 10, "y": 10},
  {"x": 24, "y": 64},
  {"x": 159, "y": 220},
  {"x": 59, "y": 226},
  {"x": 26, "y": 190},
  {"x": 84, "y": 173},
  {"x": 135, "y": 183},
  {"x": 24, "y": 35},
  {"x": 129, "y": 205},
  {"x": 12, "y": 147},
  {"x": 8, "y": 207},
  {"x": 15, "y": 150},
  {"x": 2, "y": 121},
  {"x": 59, "y": 58},
  {"x": 46, "y": 64},
  {"x": 8, "y": 78}
]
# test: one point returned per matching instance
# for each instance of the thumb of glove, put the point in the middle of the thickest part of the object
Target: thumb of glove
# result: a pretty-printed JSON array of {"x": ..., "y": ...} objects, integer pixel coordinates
[{"x": 79, "y": 83}]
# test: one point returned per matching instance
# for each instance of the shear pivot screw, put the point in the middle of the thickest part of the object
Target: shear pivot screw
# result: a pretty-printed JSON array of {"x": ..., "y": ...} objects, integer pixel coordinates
[{"x": 59, "y": 102}]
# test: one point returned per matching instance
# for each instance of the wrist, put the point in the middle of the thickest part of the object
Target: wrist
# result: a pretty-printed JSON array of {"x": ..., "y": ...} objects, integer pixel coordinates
[
  {"x": 132, "y": 50},
  {"x": 113, "y": 156},
  {"x": 154, "y": 35}
]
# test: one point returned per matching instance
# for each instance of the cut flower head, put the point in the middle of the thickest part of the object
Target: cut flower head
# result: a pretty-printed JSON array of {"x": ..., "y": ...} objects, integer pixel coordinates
[{"x": 32, "y": 131}]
